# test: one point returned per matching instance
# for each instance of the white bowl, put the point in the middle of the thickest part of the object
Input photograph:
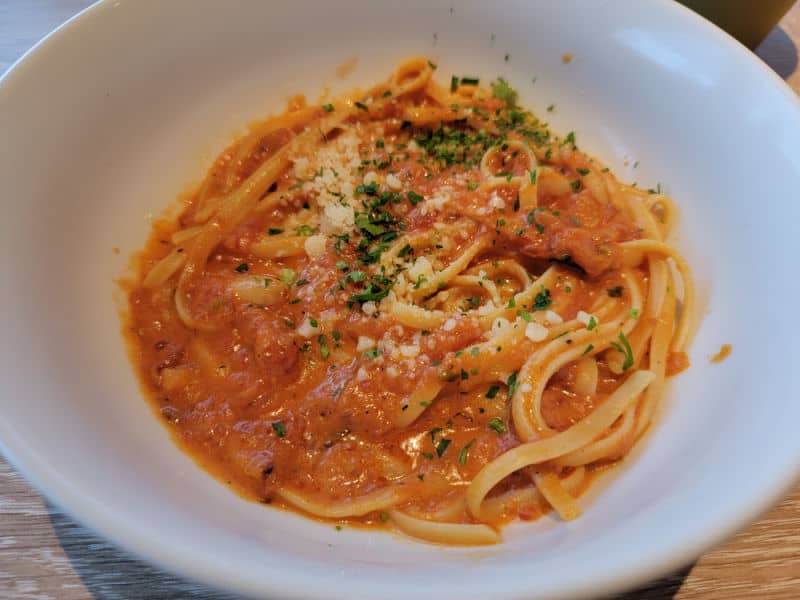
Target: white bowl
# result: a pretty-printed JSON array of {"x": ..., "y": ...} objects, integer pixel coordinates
[{"x": 118, "y": 111}]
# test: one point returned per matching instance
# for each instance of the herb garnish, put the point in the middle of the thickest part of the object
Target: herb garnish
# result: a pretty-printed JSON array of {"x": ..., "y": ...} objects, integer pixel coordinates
[
  {"x": 497, "y": 425},
  {"x": 464, "y": 454},
  {"x": 542, "y": 300},
  {"x": 625, "y": 349}
]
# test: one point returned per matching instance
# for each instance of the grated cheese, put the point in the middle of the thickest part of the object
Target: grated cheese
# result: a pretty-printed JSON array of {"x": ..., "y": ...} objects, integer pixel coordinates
[
  {"x": 409, "y": 351},
  {"x": 315, "y": 246},
  {"x": 553, "y": 318},
  {"x": 337, "y": 218},
  {"x": 536, "y": 332},
  {"x": 306, "y": 329},
  {"x": 496, "y": 201},
  {"x": 422, "y": 267},
  {"x": 394, "y": 182},
  {"x": 364, "y": 343}
]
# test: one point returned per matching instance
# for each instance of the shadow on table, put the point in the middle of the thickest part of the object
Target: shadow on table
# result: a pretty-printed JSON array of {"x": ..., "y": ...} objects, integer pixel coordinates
[
  {"x": 779, "y": 52},
  {"x": 661, "y": 589},
  {"x": 112, "y": 574}
]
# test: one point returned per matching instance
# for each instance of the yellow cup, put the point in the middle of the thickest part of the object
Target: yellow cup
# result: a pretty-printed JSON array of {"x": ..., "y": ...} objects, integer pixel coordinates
[{"x": 749, "y": 21}]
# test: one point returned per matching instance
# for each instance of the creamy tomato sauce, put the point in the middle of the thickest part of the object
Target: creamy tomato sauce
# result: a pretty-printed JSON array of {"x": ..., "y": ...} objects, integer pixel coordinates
[{"x": 297, "y": 373}]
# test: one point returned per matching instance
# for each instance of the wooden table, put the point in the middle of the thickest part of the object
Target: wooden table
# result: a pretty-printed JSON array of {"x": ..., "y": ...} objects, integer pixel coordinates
[{"x": 45, "y": 555}]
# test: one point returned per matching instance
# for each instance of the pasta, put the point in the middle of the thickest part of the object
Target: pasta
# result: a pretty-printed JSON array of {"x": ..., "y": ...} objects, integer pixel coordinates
[{"x": 411, "y": 307}]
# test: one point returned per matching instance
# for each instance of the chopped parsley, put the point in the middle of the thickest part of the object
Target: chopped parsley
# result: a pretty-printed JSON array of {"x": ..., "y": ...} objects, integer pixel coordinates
[
  {"x": 384, "y": 516},
  {"x": 496, "y": 424},
  {"x": 355, "y": 276},
  {"x": 374, "y": 291},
  {"x": 512, "y": 384},
  {"x": 242, "y": 268},
  {"x": 625, "y": 349},
  {"x": 592, "y": 323},
  {"x": 464, "y": 454},
  {"x": 288, "y": 276},
  {"x": 373, "y": 353},
  {"x": 575, "y": 185},
  {"x": 492, "y": 391},
  {"x": 589, "y": 348},
  {"x": 570, "y": 140},
  {"x": 274, "y": 230},
  {"x": 370, "y": 189},
  {"x": 634, "y": 313},
  {"x": 414, "y": 197},
  {"x": 503, "y": 91},
  {"x": 615, "y": 292},
  {"x": 279, "y": 428},
  {"x": 304, "y": 230},
  {"x": 533, "y": 176},
  {"x": 542, "y": 300},
  {"x": 470, "y": 81},
  {"x": 327, "y": 107},
  {"x": 441, "y": 447},
  {"x": 361, "y": 106},
  {"x": 324, "y": 350}
]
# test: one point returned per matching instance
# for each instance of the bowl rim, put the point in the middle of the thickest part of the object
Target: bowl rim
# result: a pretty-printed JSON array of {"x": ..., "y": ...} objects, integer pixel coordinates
[{"x": 137, "y": 541}]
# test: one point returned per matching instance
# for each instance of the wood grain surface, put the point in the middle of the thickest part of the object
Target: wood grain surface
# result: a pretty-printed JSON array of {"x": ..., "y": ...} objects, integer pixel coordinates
[{"x": 45, "y": 555}]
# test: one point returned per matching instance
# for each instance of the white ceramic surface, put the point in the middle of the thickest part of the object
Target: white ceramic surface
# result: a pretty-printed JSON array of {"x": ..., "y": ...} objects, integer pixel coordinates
[{"x": 118, "y": 111}]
